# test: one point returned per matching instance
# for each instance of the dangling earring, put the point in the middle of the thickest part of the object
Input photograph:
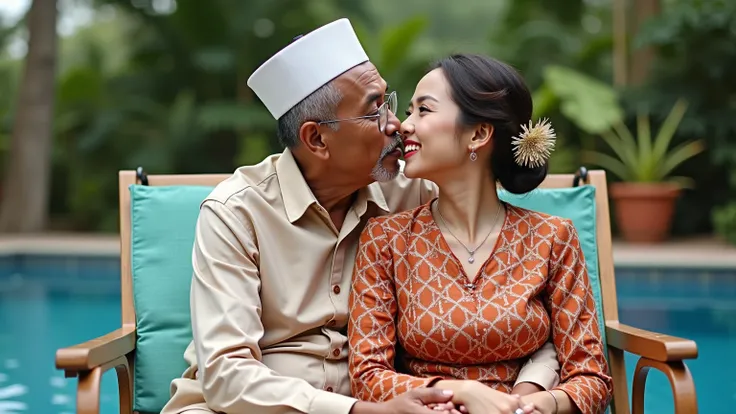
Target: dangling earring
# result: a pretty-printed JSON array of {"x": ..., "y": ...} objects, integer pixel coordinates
[{"x": 473, "y": 155}]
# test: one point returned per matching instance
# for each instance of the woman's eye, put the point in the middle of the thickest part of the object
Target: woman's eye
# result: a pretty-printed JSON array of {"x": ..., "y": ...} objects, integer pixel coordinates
[{"x": 420, "y": 109}]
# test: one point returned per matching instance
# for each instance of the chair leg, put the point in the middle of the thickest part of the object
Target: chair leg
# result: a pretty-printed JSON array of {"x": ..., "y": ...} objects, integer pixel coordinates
[
  {"x": 88, "y": 391},
  {"x": 683, "y": 386}
]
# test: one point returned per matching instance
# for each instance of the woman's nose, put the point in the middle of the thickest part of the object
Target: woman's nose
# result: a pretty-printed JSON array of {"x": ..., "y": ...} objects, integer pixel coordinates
[{"x": 407, "y": 128}]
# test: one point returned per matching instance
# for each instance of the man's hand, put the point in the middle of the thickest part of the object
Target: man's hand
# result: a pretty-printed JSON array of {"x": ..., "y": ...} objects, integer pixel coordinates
[
  {"x": 526, "y": 388},
  {"x": 478, "y": 398},
  {"x": 416, "y": 401},
  {"x": 543, "y": 401}
]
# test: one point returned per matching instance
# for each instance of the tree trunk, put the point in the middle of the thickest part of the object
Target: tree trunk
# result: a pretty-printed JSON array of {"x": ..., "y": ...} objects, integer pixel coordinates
[
  {"x": 643, "y": 58},
  {"x": 620, "y": 42},
  {"x": 26, "y": 182}
]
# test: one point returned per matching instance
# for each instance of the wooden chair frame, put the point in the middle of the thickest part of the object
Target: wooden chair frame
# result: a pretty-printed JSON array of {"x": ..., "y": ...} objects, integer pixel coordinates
[{"x": 89, "y": 360}]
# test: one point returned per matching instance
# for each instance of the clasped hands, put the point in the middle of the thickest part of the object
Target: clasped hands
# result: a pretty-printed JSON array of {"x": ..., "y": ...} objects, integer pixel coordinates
[
  {"x": 460, "y": 397},
  {"x": 473, "y": 397}
]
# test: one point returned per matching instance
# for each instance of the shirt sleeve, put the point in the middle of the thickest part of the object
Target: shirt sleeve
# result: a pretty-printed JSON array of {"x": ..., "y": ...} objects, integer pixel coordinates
[
  {"x": 226, "y": 326},
  {"x": 575, "y": 327},
  {"x": 372, "y": 325},
  {"x": 427, "y": 191},
  {"x": 542, "y": 368},
  {"x": 404, "y": 193}
]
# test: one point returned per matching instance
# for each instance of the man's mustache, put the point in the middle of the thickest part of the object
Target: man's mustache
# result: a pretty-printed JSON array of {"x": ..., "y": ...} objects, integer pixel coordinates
[{"x": 397, "y": 142}]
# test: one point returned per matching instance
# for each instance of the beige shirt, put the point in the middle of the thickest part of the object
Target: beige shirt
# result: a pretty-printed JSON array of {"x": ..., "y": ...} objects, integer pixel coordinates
[{"x": 269, "y": 300}]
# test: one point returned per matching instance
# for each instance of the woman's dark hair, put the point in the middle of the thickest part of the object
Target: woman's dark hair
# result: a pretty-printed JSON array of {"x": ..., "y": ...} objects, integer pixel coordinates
[{"x": 492, "y": 92}]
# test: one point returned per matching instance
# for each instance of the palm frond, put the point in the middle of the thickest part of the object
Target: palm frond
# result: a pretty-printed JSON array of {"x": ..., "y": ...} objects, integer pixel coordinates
[
  {"x": 668, "y": 128},
  {"x": 679, "y": 155},
  {"x": 609, "y": 163}
]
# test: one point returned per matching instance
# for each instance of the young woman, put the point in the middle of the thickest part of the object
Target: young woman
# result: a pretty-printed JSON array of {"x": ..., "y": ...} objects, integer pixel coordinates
[{"x": 469, "y": 286}]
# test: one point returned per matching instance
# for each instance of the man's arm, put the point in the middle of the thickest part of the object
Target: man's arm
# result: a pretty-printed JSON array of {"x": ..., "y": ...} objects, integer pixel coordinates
[
  {"x": 428, "y": 190},
  {"x": 541, "y": 372},
  {"x": 226, "y": 326}
]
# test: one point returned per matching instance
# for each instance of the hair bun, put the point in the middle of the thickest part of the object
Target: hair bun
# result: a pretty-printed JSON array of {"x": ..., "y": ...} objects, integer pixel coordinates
[{"x": 521, "y": 180}]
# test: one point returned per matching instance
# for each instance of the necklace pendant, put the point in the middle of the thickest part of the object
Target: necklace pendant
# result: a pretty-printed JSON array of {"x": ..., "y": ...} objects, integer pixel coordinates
[{"x": 471, "y": 259}]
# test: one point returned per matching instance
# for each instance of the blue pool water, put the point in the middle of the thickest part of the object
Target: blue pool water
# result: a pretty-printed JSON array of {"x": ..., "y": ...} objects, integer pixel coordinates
[{"x": 47, "y": 303}]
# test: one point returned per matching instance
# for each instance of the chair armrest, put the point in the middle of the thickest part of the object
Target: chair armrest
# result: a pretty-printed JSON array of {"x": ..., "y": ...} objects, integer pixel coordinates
[
  {"x": 658, "y": 347},
  {"x": 96, "y": 352},
  {"x": 681, "y": 382}
]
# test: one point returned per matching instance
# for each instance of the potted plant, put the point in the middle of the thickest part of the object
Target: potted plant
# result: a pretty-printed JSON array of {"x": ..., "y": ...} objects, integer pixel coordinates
[{"x": 644, "y": 201}]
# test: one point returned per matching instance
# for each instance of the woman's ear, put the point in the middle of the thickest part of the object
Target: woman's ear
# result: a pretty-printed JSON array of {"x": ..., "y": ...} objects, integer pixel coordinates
[{"x": 482, "y": 136}]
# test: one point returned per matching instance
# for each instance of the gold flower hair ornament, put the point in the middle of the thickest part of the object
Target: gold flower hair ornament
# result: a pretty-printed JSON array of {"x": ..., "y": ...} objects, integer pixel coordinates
[{"x": 534, "y": 145}]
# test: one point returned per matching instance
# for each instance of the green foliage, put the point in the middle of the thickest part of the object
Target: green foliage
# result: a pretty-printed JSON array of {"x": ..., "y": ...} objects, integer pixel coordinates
[
  {"x": 724, "y": 222},
  {"x": 589, "y": 104},
  {"x": 393, "y": 50},
  {"x": 562, "y": 49},
  {"x": 695, "y": 41},
  {"x": 641, "y": 159},
  {"x": 534, "y": 34},
  {"x": 167, "y": 91},
  {"x": 695, "y": 59}
]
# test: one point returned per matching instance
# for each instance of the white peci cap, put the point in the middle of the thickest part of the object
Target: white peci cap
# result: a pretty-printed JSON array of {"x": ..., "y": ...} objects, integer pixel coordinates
[{"x": 305, "y": 65}]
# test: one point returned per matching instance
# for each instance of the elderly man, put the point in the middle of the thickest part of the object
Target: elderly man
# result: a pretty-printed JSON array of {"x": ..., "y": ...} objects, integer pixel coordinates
[{"x": 275, "y": 242}]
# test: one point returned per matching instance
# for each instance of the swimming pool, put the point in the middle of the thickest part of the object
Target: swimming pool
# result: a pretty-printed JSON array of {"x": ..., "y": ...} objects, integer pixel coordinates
[{"x": 49, "y": 302}]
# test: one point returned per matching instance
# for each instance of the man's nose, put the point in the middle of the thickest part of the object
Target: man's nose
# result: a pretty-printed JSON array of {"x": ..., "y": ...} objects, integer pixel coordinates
[{"x": 393, "y": 125}]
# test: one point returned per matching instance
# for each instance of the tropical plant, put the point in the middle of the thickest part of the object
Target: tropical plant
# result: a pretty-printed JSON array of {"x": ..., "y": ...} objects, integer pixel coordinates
[
  {"x": 724, "y": 222},
  {"x": 695, "y": 57},
  {"x": 587, "y": 103},
  {"x": 641, "y": 159}
]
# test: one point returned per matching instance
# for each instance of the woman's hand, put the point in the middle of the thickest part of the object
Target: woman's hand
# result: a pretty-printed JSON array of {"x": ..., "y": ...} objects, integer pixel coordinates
[
  {"x": 480, "y": 399},
  {"x": 449, "y": 407}
]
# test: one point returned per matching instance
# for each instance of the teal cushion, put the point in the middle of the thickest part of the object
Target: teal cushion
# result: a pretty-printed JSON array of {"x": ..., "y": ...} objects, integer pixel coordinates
[
  {"x": 578, "y": 205},
  {"x": 162, "y": 235}
]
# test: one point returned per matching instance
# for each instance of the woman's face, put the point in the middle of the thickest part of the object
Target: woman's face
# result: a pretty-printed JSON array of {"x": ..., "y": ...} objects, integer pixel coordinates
[{"x": 433, "y": 144}]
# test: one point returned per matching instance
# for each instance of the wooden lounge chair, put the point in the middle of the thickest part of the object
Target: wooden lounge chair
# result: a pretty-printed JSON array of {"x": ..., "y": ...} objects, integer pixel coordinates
[{"x": 157, "y": 218}]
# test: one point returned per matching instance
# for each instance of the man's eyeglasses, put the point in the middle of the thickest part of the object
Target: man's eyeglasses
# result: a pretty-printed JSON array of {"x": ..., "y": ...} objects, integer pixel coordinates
[{"x": 389, "y": 104}]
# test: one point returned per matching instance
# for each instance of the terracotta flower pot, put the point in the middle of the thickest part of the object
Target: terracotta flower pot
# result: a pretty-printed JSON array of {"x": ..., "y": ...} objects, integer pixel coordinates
[{"x": 644, "y": 211}]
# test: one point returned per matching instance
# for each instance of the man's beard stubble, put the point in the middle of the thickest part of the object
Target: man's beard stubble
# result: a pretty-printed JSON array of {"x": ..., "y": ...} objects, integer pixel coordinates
[{"x": 380, "y": 173}]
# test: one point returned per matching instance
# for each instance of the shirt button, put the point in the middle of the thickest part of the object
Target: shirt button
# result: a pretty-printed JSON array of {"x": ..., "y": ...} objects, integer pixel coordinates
[
  {"x": 336, "y": 289},
  {"x": 336, "y": 352},
  {"x": 328, "y": 389}
]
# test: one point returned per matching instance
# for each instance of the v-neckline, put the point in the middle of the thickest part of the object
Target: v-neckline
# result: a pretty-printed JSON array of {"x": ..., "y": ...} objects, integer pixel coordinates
[{"x": 446, "y": 246}]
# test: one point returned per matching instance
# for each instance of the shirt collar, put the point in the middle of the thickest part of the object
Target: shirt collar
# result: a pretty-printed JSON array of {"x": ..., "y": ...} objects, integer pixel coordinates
[
  {"x": 295, "y": 191},
  {"x": 374, "y": 194},
  {"x": 298, "y": 197}
]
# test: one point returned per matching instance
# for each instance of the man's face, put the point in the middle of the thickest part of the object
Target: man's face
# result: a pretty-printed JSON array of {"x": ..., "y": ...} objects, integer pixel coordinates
[{"x": 359, "y": 149}]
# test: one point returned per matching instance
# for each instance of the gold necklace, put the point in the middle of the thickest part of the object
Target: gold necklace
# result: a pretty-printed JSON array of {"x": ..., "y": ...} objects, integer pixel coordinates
[{"x": 471, "y": 253}]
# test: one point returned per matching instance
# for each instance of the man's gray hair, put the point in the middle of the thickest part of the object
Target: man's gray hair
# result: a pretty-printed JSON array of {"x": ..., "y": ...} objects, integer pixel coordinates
[{"x": 321, "y": 105}]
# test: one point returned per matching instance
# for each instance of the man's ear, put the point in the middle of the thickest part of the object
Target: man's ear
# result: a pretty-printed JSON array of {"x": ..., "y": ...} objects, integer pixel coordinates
[
  {"x": 482, "y": 136},
  {"x": 313, "y": 140}
]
